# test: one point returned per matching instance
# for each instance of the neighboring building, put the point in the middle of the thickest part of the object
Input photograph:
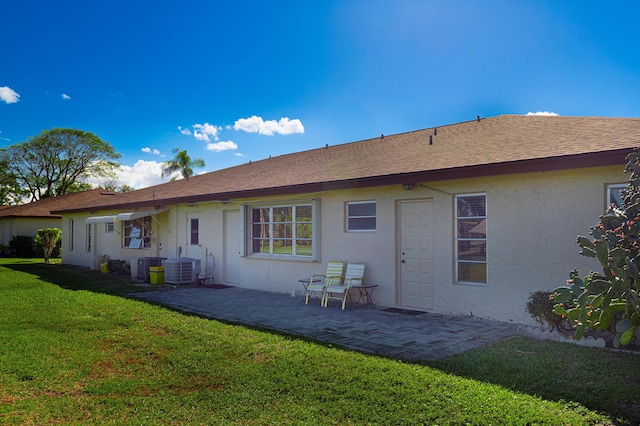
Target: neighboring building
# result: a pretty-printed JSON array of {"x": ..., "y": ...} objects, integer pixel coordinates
[
  {"x": 467, "y": 219},
  {"x": 26, "y": 219}
]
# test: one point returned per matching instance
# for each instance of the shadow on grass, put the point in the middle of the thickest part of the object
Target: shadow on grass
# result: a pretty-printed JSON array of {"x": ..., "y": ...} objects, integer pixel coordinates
[
  {"x": 601, "y": 380},
  {"x": 598, "y": 379},
  {"x": 75, "y": 278}
]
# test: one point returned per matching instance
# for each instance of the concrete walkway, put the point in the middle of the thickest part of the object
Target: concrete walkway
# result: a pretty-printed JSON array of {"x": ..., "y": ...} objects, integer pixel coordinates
[{"x": 409, "y": 337}]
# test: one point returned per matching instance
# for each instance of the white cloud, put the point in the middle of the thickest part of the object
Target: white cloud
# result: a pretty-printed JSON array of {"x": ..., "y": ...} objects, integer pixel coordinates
[
  {"x": 141, "y": 175},
  {"x": 185, "y": 132},
  {"x": 8, "y": 95},
  {"x": 255, "y": 124},
  {"x": 150, "y": 151},
  {"x": 65, "y": 97},
  {"x": 239, "y": 154},
  {"x": 222, "y": 146},
  {"x": 544, "y": 113},
  {"x": 205, "y": 132}
]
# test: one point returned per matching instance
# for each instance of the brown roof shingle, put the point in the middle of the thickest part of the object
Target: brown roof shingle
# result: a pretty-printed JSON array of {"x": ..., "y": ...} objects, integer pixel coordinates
[
  {"x": 44, "y": 207},
  {"x": 478, "y": 146}
]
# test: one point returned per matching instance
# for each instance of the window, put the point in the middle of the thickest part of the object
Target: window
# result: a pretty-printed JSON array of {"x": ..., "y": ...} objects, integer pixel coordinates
[
  {"x": 361, "y": 216},
  {"x": 70, "y": 234},
  {"x": 89, "y": 226},
  {"x": 614, "y": 195},
  {"x": 282, "y": 230},
  {"x": 137, "y": 233},
  {"x": 194, "y": 231},
  {"x": 471, "y": 238},
  {"x": 108, "y": 227}
]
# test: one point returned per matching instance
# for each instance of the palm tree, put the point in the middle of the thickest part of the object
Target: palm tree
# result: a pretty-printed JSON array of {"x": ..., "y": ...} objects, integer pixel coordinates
[{"x": 181, "y": 163}]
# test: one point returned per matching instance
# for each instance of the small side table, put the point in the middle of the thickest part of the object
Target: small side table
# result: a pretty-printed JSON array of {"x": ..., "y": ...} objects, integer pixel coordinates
[
  {"x": 305, "y": 283},
  {"x": 365, "y": 294}
]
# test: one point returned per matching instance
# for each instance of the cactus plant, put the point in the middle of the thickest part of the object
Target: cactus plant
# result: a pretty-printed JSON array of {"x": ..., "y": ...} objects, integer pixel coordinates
[{"x": 611, "y": 298}]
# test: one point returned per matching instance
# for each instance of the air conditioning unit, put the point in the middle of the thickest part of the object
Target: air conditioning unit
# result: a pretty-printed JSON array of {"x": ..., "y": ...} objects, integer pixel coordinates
[
  {"x": 143, "y": 266},
  {"x": 180, "y": 270}
]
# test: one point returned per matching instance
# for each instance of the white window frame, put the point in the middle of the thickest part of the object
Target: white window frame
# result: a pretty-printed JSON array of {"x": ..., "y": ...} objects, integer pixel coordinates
[
  {"x": 71, "y": 232},
  {"x": 458, "y": 239},
  {"x": 612, "y": 187},
  {"x": 249, "y": 225},
  {"x": 195, "y": 234},
  {"x": 352, "y": 219},
  {"x": 89, "y": 237},
  {"x": 136, "y": 233},
  {"x": 109, "y": 227}
]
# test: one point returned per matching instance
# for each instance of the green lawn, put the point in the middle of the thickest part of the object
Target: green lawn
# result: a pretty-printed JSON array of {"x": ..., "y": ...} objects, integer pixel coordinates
[{"x": 72, "y": 356}]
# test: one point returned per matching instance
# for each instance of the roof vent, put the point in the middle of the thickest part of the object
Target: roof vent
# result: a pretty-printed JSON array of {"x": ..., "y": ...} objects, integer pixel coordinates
[
  {"x": 478, "y": 119},
  {"x": 435, "y": 131},
  {"x": 430, "y": 139},
  {"x": 382, "y": 136}
]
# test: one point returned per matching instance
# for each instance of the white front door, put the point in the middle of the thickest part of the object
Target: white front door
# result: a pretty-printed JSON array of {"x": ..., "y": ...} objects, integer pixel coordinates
[
  {"x": 415, "y": 259},
  {"x": 231, "y": 273},
  {"x": 194, "y": 236}
]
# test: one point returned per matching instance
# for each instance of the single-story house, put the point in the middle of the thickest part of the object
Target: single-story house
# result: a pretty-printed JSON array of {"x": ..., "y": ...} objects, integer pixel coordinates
[
  {"x": 26, "y": 219},
  {"x": 467, "y": 219}
]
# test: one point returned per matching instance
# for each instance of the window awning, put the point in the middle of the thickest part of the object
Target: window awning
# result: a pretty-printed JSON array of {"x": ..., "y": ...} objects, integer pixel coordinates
[
  {"x": 100, "y": 219},
  {"x": 121, "y": 216},
  {"x": 136, "y": 215}
]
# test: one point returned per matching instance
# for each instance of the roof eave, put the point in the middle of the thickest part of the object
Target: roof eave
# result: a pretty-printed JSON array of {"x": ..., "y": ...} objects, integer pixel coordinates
[{"x": 594, "y": 159}]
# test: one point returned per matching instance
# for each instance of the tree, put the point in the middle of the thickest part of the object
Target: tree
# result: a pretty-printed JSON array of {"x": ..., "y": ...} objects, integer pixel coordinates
[
  {"x": 57, "y": 161},
  {"x": 181, "y": 163},
  {"x": 10, "y": 191},
  {"x": 48, "y": 238},
  {"x": 610, "y": 299},
  {"x": 112, "y": 185}
]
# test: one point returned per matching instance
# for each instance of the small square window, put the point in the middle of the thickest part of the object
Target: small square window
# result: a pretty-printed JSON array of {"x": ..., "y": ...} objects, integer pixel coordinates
[
  {"x": 614, "y": 194},
  {"x": 108, "y": 227},
  {"x": 361, "y": 216}
]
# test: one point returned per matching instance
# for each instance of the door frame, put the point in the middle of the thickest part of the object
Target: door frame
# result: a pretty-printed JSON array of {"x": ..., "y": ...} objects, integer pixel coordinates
[
  {"x": 226, "y": 242},
  {"x": 398, "y": 248}
]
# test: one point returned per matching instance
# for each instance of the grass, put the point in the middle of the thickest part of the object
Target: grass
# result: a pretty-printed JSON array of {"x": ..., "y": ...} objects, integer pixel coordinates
[{"x": 73, "y": 356}]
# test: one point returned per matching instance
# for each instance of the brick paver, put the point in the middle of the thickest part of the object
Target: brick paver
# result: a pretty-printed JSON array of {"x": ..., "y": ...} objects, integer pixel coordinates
[{"x": 427, "y": 336}]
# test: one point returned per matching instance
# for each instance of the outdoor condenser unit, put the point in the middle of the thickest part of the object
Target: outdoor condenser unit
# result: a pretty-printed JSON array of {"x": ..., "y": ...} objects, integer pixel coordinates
[
  {"x": 180, "y": 270},
  {"x": 143, "y": 266}
]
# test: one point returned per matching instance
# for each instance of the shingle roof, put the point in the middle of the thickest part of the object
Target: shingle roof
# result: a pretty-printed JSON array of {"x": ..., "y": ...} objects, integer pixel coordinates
[
  {"x": 516, "y": 140},
  {"x": 44, "y": 207}
]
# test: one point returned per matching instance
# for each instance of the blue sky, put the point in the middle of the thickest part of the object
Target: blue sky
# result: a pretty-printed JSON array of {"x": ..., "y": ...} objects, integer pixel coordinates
[{"x": 238, "y": 81}]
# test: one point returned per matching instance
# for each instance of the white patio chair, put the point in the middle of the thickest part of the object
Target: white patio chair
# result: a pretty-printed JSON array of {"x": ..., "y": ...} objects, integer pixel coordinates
[
  {"x": 340, "y": 291},
  {"x": 319, "y": 282}
]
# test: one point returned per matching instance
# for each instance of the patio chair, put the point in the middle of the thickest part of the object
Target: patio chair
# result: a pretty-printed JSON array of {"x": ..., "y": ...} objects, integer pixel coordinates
[
  {"x": 319, "y": 282},
  {"x": 340, "y": 291}
]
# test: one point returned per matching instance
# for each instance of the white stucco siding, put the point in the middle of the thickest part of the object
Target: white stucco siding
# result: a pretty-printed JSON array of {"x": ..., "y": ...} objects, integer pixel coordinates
[
  {"x": 107, "y": 244},
  {"x": 74, "y": 241},
  {"x": 532, "y": 224},
  {"x": 533, "y": 220},
  {"x": 11, "y": 227}
]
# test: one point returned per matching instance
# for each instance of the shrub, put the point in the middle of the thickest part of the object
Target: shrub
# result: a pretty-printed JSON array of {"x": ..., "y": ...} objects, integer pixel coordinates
[
  {"x": 21, "y": 246},
  {"x": 540, "y": 307},
  {"x": 46, "y": 242}
]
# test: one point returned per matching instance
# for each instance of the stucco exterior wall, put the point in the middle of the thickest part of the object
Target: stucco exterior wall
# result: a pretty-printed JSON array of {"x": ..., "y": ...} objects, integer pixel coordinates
[
  {"x": 533, "y": 220},
  {"x": 532, "y": 224},
  {"x": 13, "y": 226},
  {"x": 108, "y": 245}
]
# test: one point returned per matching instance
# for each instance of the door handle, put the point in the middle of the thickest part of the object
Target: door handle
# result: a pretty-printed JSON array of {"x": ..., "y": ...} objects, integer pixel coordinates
[{"x": 402, "y": 261}]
